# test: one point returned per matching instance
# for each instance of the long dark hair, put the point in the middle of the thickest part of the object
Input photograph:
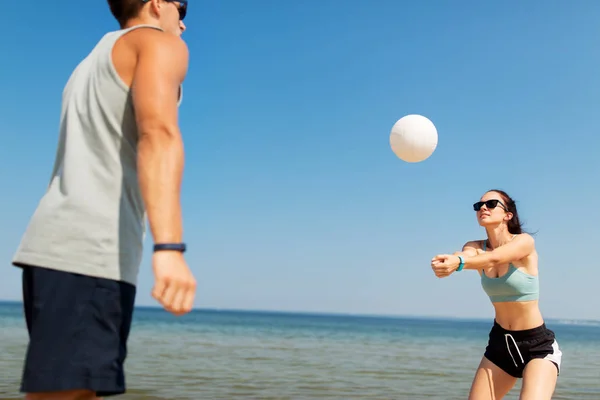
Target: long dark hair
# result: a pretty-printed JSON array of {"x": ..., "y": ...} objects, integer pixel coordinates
[{"x": 514, "y": 224}]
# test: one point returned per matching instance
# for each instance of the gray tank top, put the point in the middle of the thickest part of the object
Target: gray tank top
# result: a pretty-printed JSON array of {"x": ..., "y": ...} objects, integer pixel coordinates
[{"x": 91, "y": 220}]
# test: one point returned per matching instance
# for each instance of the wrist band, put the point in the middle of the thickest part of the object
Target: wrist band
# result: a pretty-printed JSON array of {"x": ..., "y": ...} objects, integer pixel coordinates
[
  {"x": 462, "y": 263},
  {"x": 170, "y": 247}
]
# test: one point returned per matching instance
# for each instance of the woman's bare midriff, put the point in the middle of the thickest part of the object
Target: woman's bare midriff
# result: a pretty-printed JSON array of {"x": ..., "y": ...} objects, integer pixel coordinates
[{"x": 518, "y": 316}]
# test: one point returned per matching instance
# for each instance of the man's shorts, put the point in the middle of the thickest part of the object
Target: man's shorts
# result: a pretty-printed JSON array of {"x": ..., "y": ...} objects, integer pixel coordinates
[
  {"x": 512, "y": 350},
  {"x": 78, "y": 328}
]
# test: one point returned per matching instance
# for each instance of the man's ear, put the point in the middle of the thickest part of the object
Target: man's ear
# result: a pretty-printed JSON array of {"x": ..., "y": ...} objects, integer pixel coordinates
[{"x": 155, "y": 8}]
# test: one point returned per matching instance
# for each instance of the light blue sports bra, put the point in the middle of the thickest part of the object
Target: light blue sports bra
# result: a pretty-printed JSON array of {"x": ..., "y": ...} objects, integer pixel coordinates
[{"x": 515, "y": 285}]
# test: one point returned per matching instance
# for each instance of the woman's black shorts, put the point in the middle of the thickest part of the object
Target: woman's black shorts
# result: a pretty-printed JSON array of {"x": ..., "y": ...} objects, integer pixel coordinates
[{"x": 512, "y": 350}]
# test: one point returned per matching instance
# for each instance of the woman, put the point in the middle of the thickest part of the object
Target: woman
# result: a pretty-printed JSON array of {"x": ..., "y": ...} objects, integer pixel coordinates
[{"x": 520, "y": 345}]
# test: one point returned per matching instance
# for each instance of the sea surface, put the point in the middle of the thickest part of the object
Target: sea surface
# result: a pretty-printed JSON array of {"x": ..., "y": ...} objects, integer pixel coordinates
[{"x": 214, "y": 354}]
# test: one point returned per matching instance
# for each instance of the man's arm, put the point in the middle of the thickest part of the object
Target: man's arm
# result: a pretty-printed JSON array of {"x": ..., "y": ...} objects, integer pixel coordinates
[{"x": 161, "y": 68}]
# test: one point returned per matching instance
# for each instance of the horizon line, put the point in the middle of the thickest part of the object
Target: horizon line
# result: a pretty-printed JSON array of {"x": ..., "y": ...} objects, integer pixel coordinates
[{"x": 336, "y": 314}]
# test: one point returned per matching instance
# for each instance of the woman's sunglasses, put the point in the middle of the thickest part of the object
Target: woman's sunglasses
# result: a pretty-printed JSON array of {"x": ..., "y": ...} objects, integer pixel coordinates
[
  {"x": 490, "y": 204},
  {"x": 181, "y": 6}
]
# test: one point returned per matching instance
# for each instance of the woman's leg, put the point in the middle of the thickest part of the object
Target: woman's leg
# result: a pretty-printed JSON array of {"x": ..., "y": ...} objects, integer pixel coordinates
[
  {"x": 539, "y": 380},
  {"x": 490, "y": 382}
]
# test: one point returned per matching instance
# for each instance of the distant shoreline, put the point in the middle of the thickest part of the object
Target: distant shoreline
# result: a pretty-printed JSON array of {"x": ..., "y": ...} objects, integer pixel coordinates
[{"x": 570, "y": 321}]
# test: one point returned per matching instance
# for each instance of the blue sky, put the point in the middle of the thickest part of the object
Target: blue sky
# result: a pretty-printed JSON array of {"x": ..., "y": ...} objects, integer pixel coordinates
[{"x": 292, "y": 197}]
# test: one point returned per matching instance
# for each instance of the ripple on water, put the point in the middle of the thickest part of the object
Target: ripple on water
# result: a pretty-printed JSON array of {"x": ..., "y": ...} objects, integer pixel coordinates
[{"x": 263, "y": 364}]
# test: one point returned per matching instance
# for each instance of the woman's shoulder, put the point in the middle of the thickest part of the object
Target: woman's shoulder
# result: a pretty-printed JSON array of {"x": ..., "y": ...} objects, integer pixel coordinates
[
  {"x": 474, "y": 247},
  {"x": 475, "y": 244},
  {"x": 480, "y": 244},
  {"x": 524, "y": 238},
  {"x": 528, "y": 252}
]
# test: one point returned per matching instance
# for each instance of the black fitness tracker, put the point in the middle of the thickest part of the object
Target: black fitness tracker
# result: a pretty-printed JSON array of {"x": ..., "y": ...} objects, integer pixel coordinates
[{"x": 170, "y": 247}]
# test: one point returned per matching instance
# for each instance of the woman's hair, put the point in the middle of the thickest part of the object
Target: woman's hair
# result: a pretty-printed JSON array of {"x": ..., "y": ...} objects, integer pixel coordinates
[{"x": 514, "y": 224}]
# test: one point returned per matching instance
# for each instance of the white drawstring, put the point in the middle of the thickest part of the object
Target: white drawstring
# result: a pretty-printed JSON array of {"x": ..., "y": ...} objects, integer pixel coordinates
[{"x": 506, "y": 335}]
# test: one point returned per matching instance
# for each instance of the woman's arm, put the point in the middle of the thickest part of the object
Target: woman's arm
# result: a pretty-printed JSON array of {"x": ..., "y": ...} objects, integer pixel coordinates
[
  {"x": 518, "y": 248},
  {"x": 469, "y": 250},
  {"x": 445, "y": 264}
]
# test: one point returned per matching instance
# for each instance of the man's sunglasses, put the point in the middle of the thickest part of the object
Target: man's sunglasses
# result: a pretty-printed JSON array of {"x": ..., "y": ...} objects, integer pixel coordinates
[
  {"x": 490, "y": 204},
  {"x": 181, "y": 6}
]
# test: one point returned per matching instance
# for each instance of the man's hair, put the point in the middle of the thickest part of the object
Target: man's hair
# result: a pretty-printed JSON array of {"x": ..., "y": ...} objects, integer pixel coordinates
[{"x": 124, "y": 10}]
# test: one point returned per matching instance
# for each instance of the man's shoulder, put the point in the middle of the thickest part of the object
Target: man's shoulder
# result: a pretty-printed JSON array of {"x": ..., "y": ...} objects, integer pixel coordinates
[
  {"x": 165, "y": 52},
  {"x": 154, "y": 40}
]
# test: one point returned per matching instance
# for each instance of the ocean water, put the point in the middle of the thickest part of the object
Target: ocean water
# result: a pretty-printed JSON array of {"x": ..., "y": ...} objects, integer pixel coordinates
[{"x": 260, "y": 355}]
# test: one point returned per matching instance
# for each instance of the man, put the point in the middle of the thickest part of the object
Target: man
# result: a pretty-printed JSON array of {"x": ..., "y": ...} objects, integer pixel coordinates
[{"x": 119, "y": 158}]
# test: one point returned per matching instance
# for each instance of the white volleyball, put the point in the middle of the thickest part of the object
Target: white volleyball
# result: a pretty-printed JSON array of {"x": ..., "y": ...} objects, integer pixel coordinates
[{"x": 413, "y": 138}]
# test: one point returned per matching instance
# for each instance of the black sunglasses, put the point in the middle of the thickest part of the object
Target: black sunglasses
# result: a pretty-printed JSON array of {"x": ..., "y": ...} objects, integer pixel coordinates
[
  {"x": 182, "y": 7},
  {"x": 490, "y": 204}
]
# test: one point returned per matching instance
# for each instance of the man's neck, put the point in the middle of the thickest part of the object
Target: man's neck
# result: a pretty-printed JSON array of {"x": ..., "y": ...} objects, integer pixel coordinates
[{"x": 140, "y": 21}]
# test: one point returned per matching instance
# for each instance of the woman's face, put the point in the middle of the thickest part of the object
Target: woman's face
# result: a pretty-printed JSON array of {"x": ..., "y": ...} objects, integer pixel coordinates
[{"x": 491, "y": 210}]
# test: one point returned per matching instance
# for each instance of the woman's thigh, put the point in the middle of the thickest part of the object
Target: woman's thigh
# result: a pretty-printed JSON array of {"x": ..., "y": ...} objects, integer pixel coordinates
[
  {"x": 539, "y": 380},
  {"x": 490, "y": 382}
]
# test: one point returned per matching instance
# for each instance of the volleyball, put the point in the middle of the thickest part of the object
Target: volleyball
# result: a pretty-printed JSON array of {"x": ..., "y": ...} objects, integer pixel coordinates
[{"x": 413, "y": 138}]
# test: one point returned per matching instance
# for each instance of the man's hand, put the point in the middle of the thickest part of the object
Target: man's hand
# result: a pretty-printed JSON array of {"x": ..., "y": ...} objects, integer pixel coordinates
[
  {"x": 174, "y": 285},
  {"x": 444, "y": 265}
]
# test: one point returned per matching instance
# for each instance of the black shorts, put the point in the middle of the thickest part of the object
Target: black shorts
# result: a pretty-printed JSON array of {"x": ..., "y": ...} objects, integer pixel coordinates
[
  {"x": 512, "y": 350},
  {"x": 78, "y": 328}
]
